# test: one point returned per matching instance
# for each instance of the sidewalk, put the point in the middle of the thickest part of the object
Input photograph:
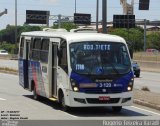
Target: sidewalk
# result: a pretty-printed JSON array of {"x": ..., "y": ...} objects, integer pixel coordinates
[{"x": 146, "y": 98}]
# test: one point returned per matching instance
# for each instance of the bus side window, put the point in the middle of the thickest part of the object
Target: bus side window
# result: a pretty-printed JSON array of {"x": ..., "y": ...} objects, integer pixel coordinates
[
  {"x": 36, "y": 49},
  {"x": 31, "y": 47},
  {"x": 44, "y": 51},
  {"x": 21, "y": 47},
  {"x": 63, "y": 57}
]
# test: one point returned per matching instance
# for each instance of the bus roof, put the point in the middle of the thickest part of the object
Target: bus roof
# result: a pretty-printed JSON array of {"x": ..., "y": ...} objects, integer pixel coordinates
[{"x": 76, "y": 37}]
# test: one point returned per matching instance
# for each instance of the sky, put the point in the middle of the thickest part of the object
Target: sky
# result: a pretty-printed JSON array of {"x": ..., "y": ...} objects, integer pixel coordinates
[{"x": 67, "y": 8}]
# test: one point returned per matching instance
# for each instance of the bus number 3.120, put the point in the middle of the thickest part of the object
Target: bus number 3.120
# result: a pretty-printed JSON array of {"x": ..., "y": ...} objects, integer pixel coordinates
[{"x": 105, "y": 85}]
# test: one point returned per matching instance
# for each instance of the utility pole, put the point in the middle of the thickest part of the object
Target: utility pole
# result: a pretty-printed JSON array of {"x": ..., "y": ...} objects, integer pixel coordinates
[
  {"x": 145, "y": 40},
  {"x": 48, "y": 14},
  {"x": 104, "y": 16},
  {"x": 16, "y": 25},
  {"x": 97, "y": 15},
  {"x": 75, "y": 6},
  {"x": 59, "y": 20},
  {"x": 2, "y": 13}
]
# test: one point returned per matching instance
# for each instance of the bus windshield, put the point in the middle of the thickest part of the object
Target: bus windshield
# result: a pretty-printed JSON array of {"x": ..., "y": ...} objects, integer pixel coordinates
[{"x": 99, "y": 58}]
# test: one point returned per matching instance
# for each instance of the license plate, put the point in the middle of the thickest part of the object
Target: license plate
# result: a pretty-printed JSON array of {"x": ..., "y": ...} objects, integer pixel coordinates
[{"x": 104, "y": 98}]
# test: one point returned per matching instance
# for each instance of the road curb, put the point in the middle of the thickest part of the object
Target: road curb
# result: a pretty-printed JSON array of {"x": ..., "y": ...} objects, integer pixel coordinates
[
  {"x": 147, "y": 104},
  {"x": 8, "y": 72}
]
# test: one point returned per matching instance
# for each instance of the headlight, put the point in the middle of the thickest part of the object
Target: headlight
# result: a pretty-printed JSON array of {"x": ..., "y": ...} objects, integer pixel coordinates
[
  {"x": 75, "y": 89},
  {"x": 130, "y": 85},
  {"x": 74, "y": 85},
  {"x": 129, "y": 88}
]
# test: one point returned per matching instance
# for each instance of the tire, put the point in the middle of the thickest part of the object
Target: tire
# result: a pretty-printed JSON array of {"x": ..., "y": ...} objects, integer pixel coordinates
[
  {"x": 117, "y": 108},
  {"x": 137, "y": 75},
  {"x": 35, "y": 95},
  {"x": 64, "y": 107}
]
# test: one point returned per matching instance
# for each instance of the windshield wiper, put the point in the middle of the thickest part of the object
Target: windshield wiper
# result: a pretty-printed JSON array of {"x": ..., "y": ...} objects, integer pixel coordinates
[{"x": 114, "y": 68}]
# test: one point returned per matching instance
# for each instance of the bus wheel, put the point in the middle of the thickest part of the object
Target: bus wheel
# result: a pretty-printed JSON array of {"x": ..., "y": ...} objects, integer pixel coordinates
[
  {"x": 63, "y": 105},
  {"x": 117, "y": 108},
  {"x": 35, "y": 95}
]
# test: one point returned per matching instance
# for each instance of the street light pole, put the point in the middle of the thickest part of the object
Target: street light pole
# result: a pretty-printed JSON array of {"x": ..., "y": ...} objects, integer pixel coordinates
[
  {"x": 97, "y": 15},
  {"x": 75, "y": 6},
  {"x": 59, "y": 20},
  {"x": 4, "y": 12},
  {"x": 145, "y": 40},
  {"x": 104, "y": 16},
  {"x": 16, "y": 24}
]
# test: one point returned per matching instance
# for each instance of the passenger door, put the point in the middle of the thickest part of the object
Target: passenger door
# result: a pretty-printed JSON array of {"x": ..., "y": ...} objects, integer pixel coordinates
[
  {"x": 23, "y": 61},
  {"x": 53, "y": 49},
  {"x": 44, "y": 65}
]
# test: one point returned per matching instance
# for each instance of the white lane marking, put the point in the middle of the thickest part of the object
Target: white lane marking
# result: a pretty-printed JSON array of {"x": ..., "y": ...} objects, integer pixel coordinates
[
  {"x": 2, "y": 99},
  {"x": 146, "y": 110}
]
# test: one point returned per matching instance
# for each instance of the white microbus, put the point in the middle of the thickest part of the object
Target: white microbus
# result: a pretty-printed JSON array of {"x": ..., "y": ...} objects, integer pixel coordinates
[{"x": 76, "y": 69}]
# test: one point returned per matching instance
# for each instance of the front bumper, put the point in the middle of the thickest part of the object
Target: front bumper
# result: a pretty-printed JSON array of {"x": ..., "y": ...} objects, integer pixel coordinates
[{"x": 77, "y": 99}]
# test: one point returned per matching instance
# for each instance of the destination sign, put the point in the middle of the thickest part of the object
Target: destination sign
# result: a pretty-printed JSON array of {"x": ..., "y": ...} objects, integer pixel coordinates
[{"x": 97, "y": 47}]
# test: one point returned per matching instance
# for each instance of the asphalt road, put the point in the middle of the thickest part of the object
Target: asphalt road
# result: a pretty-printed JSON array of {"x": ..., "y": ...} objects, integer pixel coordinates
[
  {"x": 150, "y": 80},
  {"x": 14, "y": 98}
]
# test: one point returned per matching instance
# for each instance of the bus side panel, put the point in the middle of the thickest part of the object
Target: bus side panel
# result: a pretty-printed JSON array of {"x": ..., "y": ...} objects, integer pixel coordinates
[
  {"x": 22, "y": 72},
  {"x": 45, "y": 79},
  {"x": 30, "y": 75},
  {"x": 35, "y": 74}
]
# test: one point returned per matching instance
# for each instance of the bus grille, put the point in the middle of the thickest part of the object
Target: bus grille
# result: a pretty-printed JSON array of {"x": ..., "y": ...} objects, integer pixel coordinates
[
  {"x": 101, "y": 91},
  {"x": 97, "y": 101}
]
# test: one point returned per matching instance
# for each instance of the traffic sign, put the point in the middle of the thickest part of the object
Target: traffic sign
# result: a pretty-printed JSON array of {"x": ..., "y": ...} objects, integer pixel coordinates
[
  {"x": 123, "y": 21},
  {"x": 80, "y": 18},
  {"x": 144, "y": 4},
  {"x": 37, "y": 17}
]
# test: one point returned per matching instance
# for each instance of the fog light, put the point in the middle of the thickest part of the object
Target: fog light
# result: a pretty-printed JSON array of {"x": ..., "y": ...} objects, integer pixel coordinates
[
  {"x": 80, "y": 100},
  {"x": 126, "y": 99},
  {"x": 75, "y": 88},
  {"x": 129, "y": 88}
]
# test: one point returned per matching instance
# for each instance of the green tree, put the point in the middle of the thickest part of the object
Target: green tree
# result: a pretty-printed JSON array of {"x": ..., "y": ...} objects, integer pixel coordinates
[
  {"x": 9, "y": 47},
  {"x": 8, "y": 34},
  {"x": 153, "y": 40},
  {"x": 67, "y": 25},
  {"x": 133, "y": 36}
]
